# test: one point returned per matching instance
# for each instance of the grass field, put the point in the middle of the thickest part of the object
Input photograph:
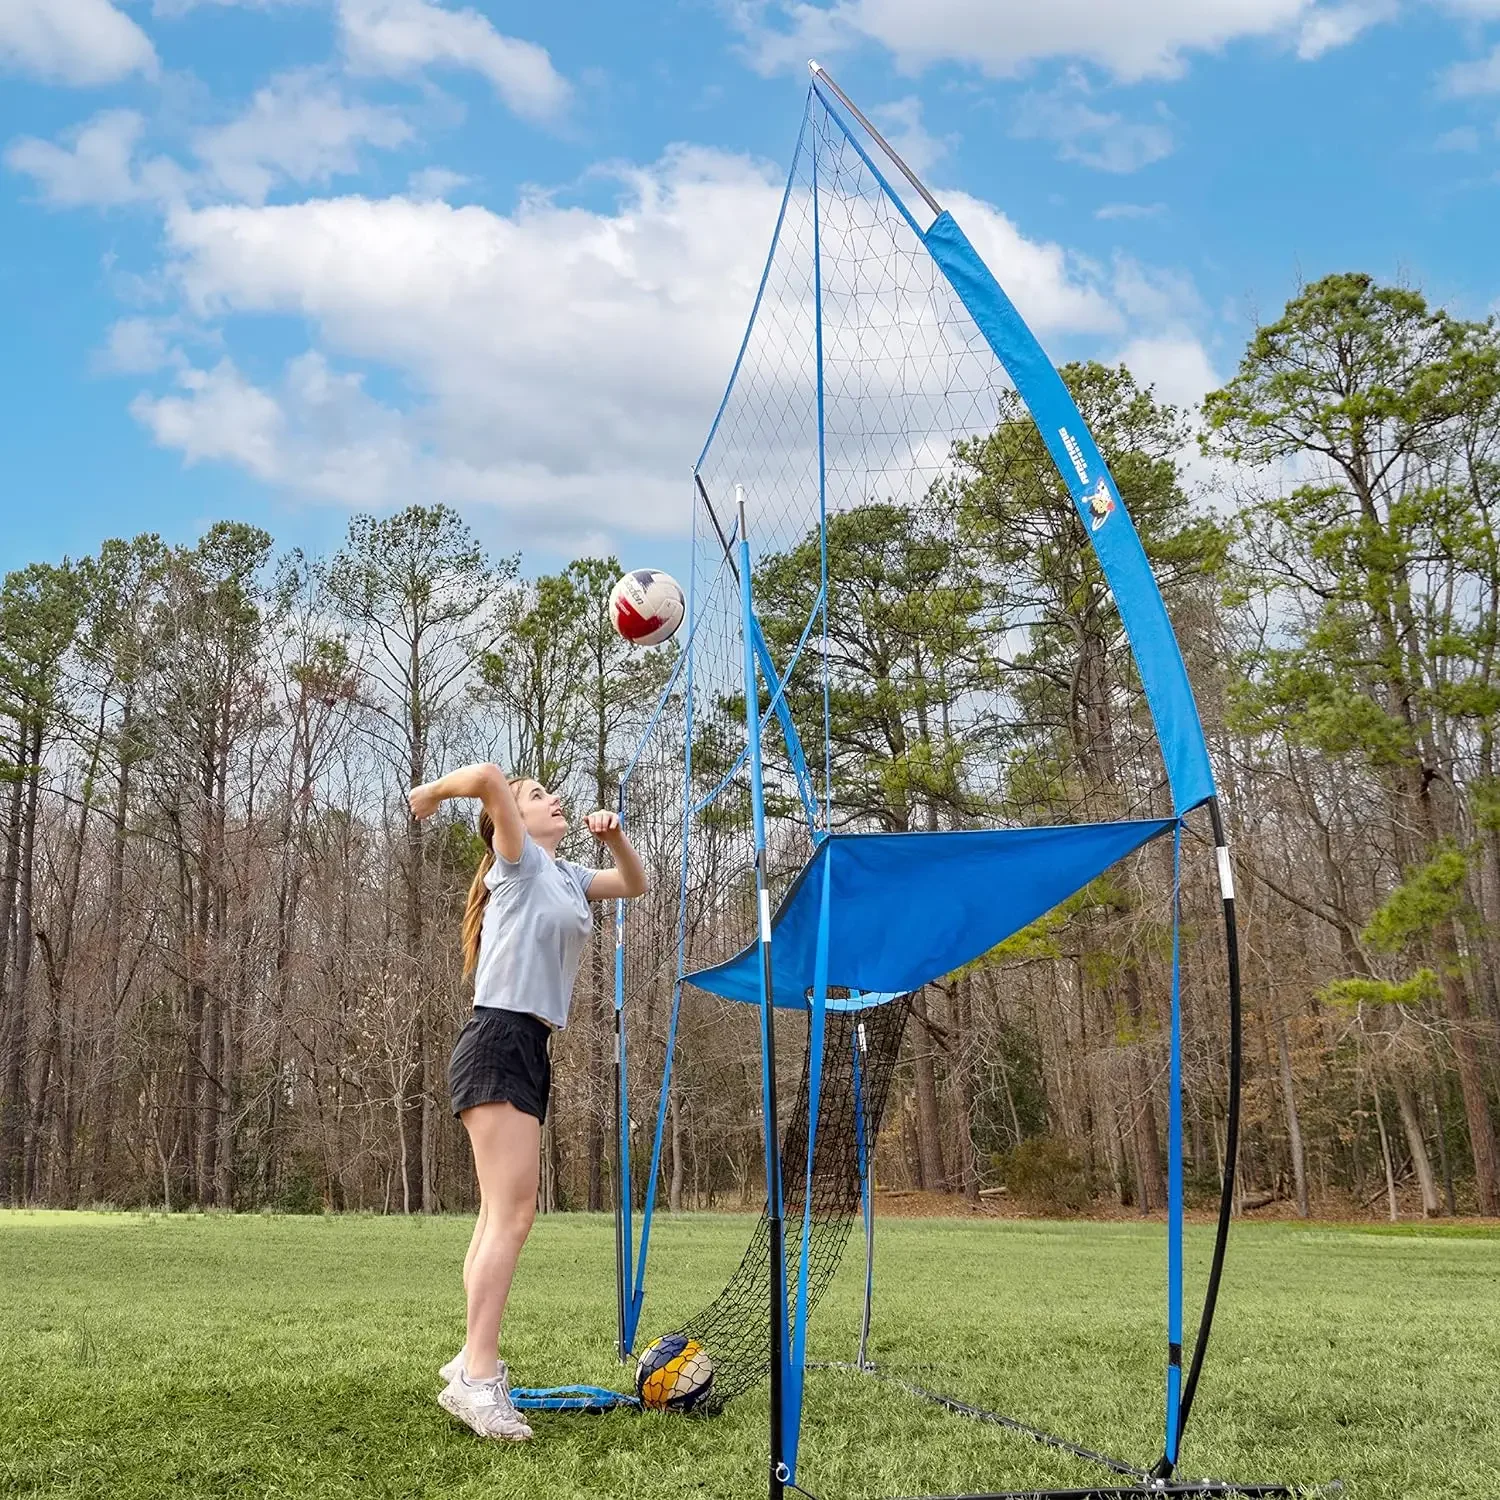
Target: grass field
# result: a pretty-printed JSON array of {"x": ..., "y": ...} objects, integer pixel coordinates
[{"x": 262, "y": 1356}]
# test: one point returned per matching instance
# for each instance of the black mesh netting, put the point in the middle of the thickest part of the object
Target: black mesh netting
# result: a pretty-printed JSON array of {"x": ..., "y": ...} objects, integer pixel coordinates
[{"x": 734, "y": 1327}]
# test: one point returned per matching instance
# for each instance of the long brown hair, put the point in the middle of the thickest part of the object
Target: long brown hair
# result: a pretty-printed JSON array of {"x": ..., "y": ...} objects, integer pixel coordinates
[{"x": 479, "y": 895}]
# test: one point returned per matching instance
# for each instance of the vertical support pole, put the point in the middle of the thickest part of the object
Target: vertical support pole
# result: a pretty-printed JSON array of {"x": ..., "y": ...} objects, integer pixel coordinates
[
  {"x": 775, "y": 1226},
  {"x": 622, "y": 1149},
  {"x": 1174, "y": 1167},
  {"x": 792, "y": 1391},
  {"x": 827, "y": 809},
  {"x": 867, "y": 1206},
  {"x": 1231, "y": 1132}
]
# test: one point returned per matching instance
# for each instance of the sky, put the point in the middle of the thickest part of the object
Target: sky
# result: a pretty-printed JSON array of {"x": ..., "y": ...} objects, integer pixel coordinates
[{"x": 286, "y": 260}]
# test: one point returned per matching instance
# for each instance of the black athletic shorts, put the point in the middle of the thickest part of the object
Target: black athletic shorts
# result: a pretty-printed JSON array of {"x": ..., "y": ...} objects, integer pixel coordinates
[{"x": 501, "y": 1054}]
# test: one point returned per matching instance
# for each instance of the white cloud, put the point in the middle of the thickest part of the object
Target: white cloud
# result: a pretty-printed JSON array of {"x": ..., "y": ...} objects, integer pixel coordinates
[
  {"x": 317, "y": 432},
  {"x": 401, "y": 37},
  {"x": 900, "y": 122},
  {"x": 1335, "y": 26},
  {"x": 565, "y": 361},
  {"x": 96, "y": 166},
  {"x": 1056, "y": 292},
  {"x": 73, "y": 41},
  {"x": 1464, "y": 138},
  {"x": 1092, "y": 137},
  {"x": 1175, "y": 362},
  {"x": 435, "y": 182},
  {"x": 222, "y": 416},
  {"x": 1482, "y": 76},
  {"x": 1130, "y": 210},
  {"x": 1003, "y": 36},
  {"x": 1154, "y": 296},
  {"x": 136, "y": 346},
  {"x": 175, "y": 8},
  {"x": 298, "y": 128}
]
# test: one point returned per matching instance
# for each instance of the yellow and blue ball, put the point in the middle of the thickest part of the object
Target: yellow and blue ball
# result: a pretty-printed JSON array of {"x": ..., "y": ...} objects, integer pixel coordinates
[{"x": 674, "y": 1374}]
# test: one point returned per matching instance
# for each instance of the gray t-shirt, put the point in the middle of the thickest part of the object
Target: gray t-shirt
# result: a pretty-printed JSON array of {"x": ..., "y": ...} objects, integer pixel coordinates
[{"x": 535, "y": 925}]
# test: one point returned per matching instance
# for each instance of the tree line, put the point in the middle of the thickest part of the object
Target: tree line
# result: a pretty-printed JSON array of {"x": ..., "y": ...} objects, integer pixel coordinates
[{"x": 229, "y": 973}]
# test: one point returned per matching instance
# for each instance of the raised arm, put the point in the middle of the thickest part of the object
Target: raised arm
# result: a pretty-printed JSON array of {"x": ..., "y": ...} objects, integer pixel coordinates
[
  {"x": 487, "y": 782},
  {"x": 628, "y": 878}
]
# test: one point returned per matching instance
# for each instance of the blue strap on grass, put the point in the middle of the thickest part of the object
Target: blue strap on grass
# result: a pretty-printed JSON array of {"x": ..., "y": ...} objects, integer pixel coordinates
[{"x": 582, "y": 1398}]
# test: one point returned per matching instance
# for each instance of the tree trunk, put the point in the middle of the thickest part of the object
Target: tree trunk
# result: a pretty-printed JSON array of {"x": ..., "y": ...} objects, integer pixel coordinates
[
  {"x": 674, "y": 1191},
  {"x": 599, "y": 1070},
  {"x": 1482, "y": 1141},
  {"x": 1420, "y": 1161},
  {"x": 1385, "y": 1153},
  {"x": 114, "y": 942},
  {"x": 933, "y": 1176},
  {"x": 21, "y": 960},
  {"x": 1293, "y": 1121},
  {"x": 1442, "y": 1139},
  {"x": 13, "y": 1010},
  {"x": 963, "y": 1106},
  {"x": 1143, "y": 1131},
  {"x": 1140, "y": 1193},
  {"x": 430, "y": 1203}
]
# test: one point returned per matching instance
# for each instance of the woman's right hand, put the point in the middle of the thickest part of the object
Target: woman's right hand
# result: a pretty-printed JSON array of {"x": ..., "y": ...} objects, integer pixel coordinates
[{"x": 424, "y": 801}]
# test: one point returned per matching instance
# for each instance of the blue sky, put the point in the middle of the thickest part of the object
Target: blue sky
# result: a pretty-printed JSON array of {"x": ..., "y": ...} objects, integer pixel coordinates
[{"x": 285, "y": 259}]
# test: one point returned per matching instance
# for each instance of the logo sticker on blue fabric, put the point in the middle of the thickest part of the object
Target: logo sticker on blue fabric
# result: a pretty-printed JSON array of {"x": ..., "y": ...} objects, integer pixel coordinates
[
  {"x": 1075, "y": 453},
  {"x": 1101, "y": 505}
]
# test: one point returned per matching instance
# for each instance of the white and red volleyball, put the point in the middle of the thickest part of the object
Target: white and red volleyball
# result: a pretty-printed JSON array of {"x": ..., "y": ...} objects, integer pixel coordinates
[{"x": 647, "y": 606}]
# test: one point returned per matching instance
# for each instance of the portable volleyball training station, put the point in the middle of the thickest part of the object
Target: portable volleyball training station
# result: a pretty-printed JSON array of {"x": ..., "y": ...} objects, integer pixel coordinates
[{"x": 939, "y": 695}]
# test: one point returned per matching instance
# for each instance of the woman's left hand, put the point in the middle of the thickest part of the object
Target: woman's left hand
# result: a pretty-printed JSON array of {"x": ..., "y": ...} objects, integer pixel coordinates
[
  {"x": 603, "y": 825},
  {"x": 424, "y": 801}
]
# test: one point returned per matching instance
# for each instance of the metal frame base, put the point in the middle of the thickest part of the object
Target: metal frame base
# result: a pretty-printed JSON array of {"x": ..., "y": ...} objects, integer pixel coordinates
[
  {"x": 1133, "y": 1492},
  {"x": 1138, "y": 1484}
]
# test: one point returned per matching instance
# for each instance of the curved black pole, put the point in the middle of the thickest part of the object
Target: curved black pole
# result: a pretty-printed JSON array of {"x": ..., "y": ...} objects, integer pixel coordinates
[{"x": 1164, "y": 1468}]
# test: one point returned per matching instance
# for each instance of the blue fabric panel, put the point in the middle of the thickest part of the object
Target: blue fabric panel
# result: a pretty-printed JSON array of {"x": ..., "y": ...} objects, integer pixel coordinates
[
  {"x": 907, "y": 908},
  {"x": 859, "y": 1000},
  {"x": 1093, "y": 489}
]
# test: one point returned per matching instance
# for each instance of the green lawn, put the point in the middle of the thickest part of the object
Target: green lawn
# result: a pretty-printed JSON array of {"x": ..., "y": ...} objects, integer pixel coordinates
[{"x": 259, "y": 1356}]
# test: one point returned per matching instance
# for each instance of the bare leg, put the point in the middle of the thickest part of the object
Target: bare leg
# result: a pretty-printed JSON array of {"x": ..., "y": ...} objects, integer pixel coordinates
[
  {"x": 507, "y": 1157},
  {"x": 474, "y": 1241}
]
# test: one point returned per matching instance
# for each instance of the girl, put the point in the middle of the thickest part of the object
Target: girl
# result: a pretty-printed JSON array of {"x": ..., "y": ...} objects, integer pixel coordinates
[{"x": 523, "y": 934}]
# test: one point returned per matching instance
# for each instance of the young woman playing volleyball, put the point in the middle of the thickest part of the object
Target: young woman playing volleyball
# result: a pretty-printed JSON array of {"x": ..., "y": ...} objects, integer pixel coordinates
[{"x": 524, "y": 930}]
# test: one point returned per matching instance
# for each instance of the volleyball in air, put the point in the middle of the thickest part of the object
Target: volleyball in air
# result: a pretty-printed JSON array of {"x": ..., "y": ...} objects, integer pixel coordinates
[
  {"x": 647, "y": 606},
  {"x": 674, "y": 1374}
]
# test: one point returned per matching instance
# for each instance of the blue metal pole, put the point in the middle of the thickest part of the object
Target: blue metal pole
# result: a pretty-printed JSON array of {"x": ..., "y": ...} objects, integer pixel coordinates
[
  {"x": 623, "y": 1232},
  {"x": 791, "y": 1422},
  {"x": 827, "y": 808},
  {"x": 1174, "y": 1169}
]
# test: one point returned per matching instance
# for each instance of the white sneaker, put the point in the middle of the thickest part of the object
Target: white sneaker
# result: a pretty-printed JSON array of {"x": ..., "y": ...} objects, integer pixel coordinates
[
  {"x": 454, "y": 1368},
  {"x": 485, "y": 1406}
]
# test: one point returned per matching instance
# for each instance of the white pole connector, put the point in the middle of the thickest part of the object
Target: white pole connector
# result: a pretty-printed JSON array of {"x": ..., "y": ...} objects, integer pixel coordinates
[
  {"x": 739, "y": 501},
  {"x": 1226, "y": 873}
]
